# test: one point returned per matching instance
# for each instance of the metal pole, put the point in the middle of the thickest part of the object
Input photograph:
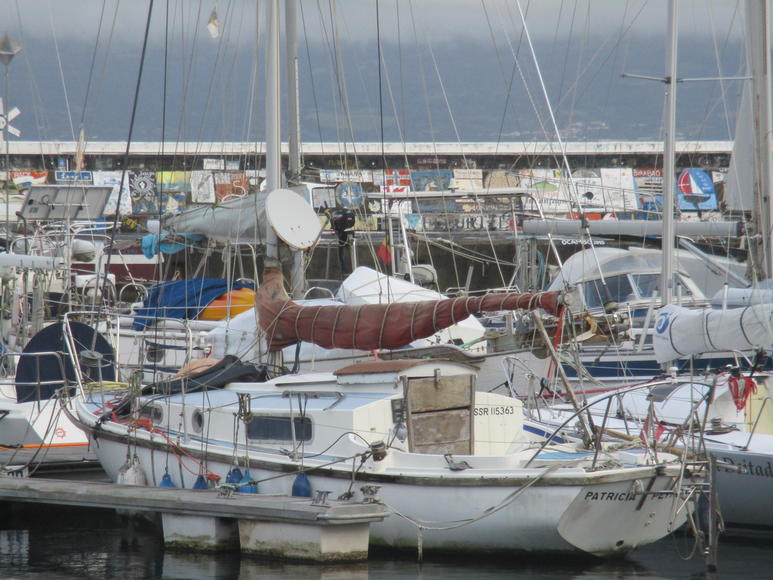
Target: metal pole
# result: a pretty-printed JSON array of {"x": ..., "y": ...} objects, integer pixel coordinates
[
  {"x": 8, "y": 49},
  {"x": 293, "y": 95},
  {"x": 6, "y": 109},
  {"x": 758, "y": 49},
  {"x": 297, "y": 273},
  {"x": 273, "y": 142},
  {"x": 669, "y": 184}
]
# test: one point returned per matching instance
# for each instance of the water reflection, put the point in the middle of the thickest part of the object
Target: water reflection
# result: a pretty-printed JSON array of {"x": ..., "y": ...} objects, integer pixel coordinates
[{"x": 49, "y": 541}]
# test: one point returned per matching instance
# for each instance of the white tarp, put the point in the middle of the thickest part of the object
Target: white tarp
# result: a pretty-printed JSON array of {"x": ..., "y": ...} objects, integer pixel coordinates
[{"x": 681, "y": 332}]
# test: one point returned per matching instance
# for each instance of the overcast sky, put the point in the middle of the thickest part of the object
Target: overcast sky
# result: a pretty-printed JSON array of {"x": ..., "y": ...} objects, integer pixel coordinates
[
  {"x": 446, "y": 63},
  {"x": 443, "y": 19}
]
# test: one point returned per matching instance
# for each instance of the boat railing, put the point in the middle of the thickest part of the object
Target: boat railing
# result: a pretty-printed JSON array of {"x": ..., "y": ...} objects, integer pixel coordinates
[
  {"x": 598, "y": 432},
  {"x": 10, "y": 363},
  {"x": 140, "y": 290},
  {"x": 504, "y": 209},
  {"x": 756, "y": 422}
]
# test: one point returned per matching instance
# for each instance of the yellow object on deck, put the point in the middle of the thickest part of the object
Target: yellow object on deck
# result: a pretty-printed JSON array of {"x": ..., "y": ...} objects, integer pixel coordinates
[{"x": 229, "y": 304}]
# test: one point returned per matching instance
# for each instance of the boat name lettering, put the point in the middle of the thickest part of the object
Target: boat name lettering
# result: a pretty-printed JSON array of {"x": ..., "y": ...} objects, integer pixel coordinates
[
  {"x": 583, "y": 243},
  {"x": 746, "y": 467},
  {"x": 621, "y": 495},
  {"x": 500, "y": 410}
]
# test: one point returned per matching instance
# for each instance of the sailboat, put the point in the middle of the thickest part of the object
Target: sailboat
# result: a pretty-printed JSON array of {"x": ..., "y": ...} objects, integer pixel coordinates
[
  {"x": 458, "y": 468},
  {"x": 726, "y": 410}
]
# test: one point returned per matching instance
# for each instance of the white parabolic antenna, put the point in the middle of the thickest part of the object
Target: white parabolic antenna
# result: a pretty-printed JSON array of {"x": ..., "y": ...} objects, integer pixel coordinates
[{"x": 292, "y": 218}]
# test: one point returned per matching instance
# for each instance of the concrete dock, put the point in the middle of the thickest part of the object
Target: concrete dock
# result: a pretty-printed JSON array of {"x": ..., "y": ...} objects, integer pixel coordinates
[{"x": 266, "y": 525}]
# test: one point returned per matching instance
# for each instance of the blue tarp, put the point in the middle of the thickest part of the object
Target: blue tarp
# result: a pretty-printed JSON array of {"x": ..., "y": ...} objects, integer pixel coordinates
[
  {"x": 182, "y": 298},
  {"x": 152, "y": 244}
]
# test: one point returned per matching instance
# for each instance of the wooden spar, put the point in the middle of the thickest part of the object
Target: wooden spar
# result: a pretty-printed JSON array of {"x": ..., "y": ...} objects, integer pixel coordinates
[{"x": 562, "y": 374}]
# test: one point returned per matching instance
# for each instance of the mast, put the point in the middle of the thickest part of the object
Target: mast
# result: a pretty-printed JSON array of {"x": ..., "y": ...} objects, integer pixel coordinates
[
  {"x": 293, "y": 96},
  {"x": 669, "y": 179},
  {"x": 273, "y": 139},
  {"x": 297, "y": 273},
  {"x": 758, "y": 46}
]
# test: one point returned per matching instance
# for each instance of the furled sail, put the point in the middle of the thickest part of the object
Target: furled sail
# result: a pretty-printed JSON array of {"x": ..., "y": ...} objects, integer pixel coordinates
[
  {"x": 681, "y": 332},
  {"x": 374, "y": 326}
]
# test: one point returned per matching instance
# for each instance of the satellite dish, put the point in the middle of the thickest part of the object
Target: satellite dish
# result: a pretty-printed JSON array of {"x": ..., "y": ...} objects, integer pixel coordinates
[{"x": 292, "y": 218}]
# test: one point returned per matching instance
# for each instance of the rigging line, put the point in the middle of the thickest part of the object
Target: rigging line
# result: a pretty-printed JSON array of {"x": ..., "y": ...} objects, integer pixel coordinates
[
  {"x": 501, "y": 122},
  {"x": 557, "y": 28},
  {"x": 37, "y": 108},
  {"x": 566, "y": 53},
  {"x": 614, "y": 60},
  {"x": 61, "y": 69},
  {"x": 164, "y": 96},
  {"x": 572, "y": 185},
  {"x": 493, "y": 40},
  {"x": 401, "y": 136},
  {"x": 450, "y": 246},
  {"x": 446, "y": 101},
  {"x": 580, "y": 57},
  {"x": 596, "y": 56},
  {"x": 340, "y": 74},
  {"x": 381, "y": 66},
  {"x": 253, "y": 100},
  {"x": 128, "y": 142},
  {"x": 517, "y": 67},
  {"x": 423, "y": 77},
  {"x": 186, "y": 71},
  {"x": 334, "y": 99},
  {"x": 210, "y": 87},
  {"x": 311, "y": 78},
  {"x": 380, "y": 83},
  {"x": 339, "y": 92},
  {"x": 723, "y": 99},
  {"x": 92, "y": 66},
  {"x": 402, "y": 79},
  {"x": 231, "y": 76},
  {"x": 107, "y": 51}
]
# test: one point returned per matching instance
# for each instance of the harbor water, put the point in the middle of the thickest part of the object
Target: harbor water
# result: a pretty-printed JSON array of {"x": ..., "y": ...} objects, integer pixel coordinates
[{"x": 48, "y": 542}]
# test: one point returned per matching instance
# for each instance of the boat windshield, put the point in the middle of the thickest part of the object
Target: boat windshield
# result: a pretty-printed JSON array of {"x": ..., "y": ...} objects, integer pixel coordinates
[
  {"x": 625, "y": 288},
  {"x": 647, "y": 284},
  {"x": 618, "y": 289}
]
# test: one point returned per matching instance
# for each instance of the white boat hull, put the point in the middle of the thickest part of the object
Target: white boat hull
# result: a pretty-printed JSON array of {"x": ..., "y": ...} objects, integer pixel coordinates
[{"x": 455, "y": 512}]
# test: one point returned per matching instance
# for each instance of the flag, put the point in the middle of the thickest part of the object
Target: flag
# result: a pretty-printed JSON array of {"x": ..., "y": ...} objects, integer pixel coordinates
[
  {"x": 385, "y": 252},
  {"x": 656, "y": 430},
  {"x": 213, "y": 26}
]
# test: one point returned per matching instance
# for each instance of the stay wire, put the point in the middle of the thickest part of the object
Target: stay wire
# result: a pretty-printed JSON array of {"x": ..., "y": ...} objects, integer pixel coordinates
[{"x": 128, "y": 144}]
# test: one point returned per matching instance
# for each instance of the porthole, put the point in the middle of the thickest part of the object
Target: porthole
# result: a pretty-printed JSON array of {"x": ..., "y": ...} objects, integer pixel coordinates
[
  {"x": 154, "y": 354},
  {"x": 154, "y": 413},
  {"x": 197, "y": 421}
]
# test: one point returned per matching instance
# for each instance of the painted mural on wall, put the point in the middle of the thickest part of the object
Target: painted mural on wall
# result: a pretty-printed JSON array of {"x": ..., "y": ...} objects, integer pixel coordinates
[
  {"x": 695, "y": 191},
  {"x": 142, "y": 190}
]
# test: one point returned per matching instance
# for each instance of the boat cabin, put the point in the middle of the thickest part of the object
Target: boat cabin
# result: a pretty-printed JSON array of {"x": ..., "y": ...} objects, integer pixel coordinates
[{"x": 419, "y": 406}]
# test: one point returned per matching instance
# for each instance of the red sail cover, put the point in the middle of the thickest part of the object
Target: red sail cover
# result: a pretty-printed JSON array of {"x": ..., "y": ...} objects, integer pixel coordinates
[{"x": 374, "y": 326}]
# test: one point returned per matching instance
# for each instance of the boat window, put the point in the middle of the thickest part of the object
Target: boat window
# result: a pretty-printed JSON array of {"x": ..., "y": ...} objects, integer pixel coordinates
[
  {"x": 152, "y": 412},
  {"x": 618, "y": 287},
  {"x": 154, "y": 354},
  {"x": 660, "y": 393},
  {"x": 647, "y": 284},
  {"x": 197, "y": 421},
  {"x": 278, "y": 428}
]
